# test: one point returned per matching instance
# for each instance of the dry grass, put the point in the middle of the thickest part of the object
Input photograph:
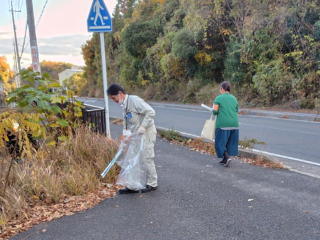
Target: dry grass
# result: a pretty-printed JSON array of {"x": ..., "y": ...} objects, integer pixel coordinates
[
  {"x": 55, "y": 174},
  {"x": 207, "y": 94},
  {"x": 242, "y": 112},
  {"x": 260, "y": 161},
  {"x": 117, "y": 121}
]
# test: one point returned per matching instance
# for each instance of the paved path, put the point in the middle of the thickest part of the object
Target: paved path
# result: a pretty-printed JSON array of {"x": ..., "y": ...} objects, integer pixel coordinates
[{"x": 199, "y": 199}]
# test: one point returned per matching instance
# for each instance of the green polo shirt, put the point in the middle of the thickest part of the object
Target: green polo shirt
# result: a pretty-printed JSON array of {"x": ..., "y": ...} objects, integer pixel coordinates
[{"x": 227, "y": 114}]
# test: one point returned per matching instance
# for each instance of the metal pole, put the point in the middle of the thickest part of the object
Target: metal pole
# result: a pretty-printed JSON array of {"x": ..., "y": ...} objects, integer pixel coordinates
[
  {"x": 33, "y": 38},
  {"x": 16, "y": 78},
  {"x": 16, "y": 46},
  {"x": 104, "y": 73}
]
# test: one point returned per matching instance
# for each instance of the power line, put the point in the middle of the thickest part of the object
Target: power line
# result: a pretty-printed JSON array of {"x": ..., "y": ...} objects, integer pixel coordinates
[
  {"x": 24, "y": 39},
  {"x": 42, "y": 13}
]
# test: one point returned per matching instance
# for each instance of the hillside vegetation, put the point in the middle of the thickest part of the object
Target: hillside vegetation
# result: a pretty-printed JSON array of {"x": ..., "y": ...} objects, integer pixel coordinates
[{"x": 180, "y": 50}]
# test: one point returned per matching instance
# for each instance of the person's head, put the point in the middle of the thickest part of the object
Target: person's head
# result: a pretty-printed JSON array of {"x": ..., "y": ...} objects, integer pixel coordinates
[
  {"x": 116, "y": 93},
  {"x": 225, "y": 87}
]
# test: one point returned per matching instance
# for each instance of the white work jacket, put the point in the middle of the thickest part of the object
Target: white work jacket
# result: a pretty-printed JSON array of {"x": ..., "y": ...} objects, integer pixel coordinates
[{"x": 137, "y": 112}]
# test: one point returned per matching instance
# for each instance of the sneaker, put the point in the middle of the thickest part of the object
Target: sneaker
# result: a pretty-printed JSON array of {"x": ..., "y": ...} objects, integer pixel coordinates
[
  {"x": 227, "y": 164},
  {"x": 127, "y": 190},
  {"x": 148, "y": 189}
]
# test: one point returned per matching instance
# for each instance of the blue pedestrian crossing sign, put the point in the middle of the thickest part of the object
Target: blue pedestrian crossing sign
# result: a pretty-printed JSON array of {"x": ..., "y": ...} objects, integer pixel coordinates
[{"x": 99, "y": 19}]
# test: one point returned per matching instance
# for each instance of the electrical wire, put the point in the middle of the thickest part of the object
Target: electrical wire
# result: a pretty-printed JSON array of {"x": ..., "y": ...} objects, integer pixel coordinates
[
  {"x": 24, "y": 39},
  {"x": 42, "y": 13}
]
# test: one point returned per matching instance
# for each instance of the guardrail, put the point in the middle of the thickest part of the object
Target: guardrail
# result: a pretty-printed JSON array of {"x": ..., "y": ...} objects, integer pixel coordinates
[{"x": 95, "y": 118}]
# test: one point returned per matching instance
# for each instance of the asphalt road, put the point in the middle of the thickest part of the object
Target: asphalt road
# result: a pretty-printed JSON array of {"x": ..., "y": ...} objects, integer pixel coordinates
[
  {"x": 199, "y": 199},
  {"x": 295, "y": 142}
]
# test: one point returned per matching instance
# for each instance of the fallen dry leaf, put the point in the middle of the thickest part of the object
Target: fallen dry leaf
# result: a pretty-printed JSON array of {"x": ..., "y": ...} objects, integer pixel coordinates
[{"x": 42, "y": 212}]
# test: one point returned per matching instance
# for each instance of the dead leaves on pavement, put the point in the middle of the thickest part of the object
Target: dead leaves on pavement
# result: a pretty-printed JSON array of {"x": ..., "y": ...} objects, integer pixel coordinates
[{"x": 68, "y": 205}]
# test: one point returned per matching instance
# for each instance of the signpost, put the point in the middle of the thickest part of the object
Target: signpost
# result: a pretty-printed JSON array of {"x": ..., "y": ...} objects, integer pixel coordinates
[{"x": 99, "y": 20}]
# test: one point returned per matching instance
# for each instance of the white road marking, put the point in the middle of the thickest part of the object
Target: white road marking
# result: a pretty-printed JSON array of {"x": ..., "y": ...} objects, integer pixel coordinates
[
  {"x": 182, "y": 133},
  {"x": 286, "y": 157}
]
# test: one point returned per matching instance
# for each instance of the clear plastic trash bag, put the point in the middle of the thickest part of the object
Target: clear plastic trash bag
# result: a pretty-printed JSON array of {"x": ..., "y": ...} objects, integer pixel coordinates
[{"x": 133, "y": 168}]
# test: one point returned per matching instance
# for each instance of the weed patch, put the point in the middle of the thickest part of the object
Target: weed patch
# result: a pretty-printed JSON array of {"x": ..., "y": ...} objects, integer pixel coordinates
[
  {"x": 208, "y": 148},
  {"x": 57, "y": 181},
  {"x": 249, "y": 143}
]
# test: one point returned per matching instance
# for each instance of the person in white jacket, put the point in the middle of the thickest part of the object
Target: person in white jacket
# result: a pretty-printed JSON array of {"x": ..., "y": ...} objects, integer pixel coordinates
[{"x": 138, "y": 117}]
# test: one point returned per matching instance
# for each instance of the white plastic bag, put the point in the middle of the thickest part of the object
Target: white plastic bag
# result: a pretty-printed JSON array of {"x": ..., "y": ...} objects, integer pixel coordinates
[{"x": 133, "y": 170}]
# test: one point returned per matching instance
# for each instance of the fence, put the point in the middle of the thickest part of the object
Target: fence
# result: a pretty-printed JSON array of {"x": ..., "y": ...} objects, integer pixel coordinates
[{"x": 95, "y": 118}]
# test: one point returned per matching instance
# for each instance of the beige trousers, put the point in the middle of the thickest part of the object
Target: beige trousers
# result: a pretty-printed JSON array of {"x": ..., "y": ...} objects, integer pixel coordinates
[{"x": 148, "y": 156}]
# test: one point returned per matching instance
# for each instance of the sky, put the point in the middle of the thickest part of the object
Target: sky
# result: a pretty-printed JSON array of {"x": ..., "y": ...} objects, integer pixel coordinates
[{"x": 61, "y": 31}]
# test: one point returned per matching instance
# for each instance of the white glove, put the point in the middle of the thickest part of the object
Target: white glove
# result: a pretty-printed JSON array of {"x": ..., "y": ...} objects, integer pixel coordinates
[
  {"x": 126, "y": 135},
  {"x": 141, "y": 130}
]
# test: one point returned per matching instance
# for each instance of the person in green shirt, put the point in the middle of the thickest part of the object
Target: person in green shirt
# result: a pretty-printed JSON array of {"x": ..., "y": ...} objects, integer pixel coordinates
[{"x": 225, "y": 108}]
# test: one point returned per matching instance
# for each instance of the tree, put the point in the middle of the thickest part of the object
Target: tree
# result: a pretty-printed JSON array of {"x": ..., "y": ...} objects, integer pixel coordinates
[
  {"x": 6, "y": 74},
  {"x": 138, "y": 37}
]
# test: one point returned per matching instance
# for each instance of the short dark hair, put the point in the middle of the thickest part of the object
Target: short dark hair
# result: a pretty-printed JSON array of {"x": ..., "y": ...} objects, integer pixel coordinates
[
  {"x": 114, "y": 89},
  {"x": 226, "y": 86}
]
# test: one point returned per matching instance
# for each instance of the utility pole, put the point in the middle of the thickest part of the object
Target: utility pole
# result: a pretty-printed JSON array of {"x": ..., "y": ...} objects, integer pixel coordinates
[
  {"x": 16, "y": 46},
  {"x": 33, "y": 38},
  {"x": 15, "y": 68}
]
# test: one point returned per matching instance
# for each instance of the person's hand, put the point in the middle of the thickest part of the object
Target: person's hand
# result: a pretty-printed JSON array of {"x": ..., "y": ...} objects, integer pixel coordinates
[
  {"x": 126, "y": 136},
  {"x": 141, "y": 130}
]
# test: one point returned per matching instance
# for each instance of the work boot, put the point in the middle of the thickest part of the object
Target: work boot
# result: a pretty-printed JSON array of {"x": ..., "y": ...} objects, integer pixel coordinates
[
  {"x": 224, "y": 158},
  {"x": 148, "y": 188},
  {"x": 127, "y": 190},
  {"x": 223, "y": 161}
]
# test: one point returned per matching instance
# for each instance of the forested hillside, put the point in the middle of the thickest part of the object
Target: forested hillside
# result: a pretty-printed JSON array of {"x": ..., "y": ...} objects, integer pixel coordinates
[
  {"x": 53, "y": 68},
  {"x": 180, "y": 50}
]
